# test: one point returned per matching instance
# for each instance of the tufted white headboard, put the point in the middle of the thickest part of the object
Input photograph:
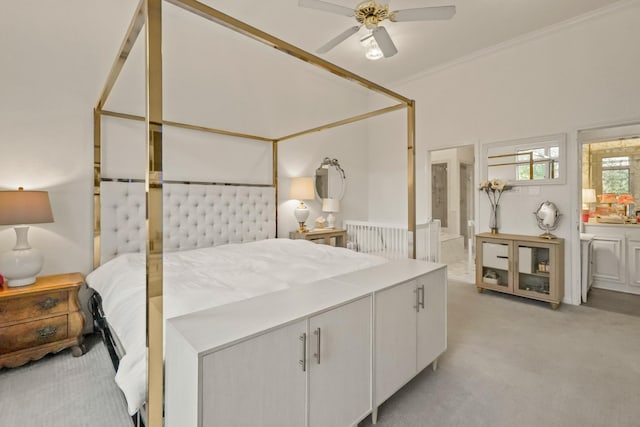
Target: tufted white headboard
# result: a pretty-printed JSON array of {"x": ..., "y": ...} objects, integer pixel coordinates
[{"x": 194, "y": 216}]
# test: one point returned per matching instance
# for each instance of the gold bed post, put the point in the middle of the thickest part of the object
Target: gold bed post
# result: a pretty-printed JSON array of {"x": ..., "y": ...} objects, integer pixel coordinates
[
  {"x": 155, "y": 381},
  {"x": 411, "y": 170},
  {"x": 97, "y": 175},
  {"x": 274, "y": 180}
]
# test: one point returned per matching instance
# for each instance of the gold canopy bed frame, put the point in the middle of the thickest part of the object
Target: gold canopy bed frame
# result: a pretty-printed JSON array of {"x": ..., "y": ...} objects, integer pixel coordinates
[{"x": 148, "y": 16}]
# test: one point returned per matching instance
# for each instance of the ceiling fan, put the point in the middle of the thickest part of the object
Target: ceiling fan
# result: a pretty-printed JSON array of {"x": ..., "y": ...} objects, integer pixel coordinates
[{"x": 371, "y": 14}]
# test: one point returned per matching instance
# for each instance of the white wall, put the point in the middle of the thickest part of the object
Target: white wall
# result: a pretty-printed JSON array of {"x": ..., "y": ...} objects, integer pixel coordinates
[
  {"x": 569, "y": 78},
  {"x": 55, "y": 63}
]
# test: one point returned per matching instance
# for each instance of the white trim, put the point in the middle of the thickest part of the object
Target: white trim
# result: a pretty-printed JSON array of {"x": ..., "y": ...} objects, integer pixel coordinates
[{"x": 584, "y": 135}]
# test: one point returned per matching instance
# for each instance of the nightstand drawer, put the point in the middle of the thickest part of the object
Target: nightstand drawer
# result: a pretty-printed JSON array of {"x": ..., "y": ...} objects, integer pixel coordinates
[
  {"x": 32, "y": 334},
  {"x": 16, "y": 309}
]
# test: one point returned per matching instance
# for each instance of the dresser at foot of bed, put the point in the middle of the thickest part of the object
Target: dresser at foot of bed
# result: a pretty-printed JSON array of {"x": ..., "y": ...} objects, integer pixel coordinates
[
  {"x": 41, "y": 318},
  {"x": 327, "y": 353}
]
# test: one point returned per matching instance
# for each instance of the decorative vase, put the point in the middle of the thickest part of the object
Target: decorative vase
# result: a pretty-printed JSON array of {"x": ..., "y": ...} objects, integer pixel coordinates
[{"x": 493, "y": 219}]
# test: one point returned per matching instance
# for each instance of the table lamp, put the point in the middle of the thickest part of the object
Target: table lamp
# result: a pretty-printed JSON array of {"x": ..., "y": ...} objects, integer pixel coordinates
[
  {"x": 302, "y": 189},
  {"x": 21, "y": 265},
  {"x": 588, "y": 197},
  {"x": 626, "y": 200},
  {"x": 331, "y": 205}
]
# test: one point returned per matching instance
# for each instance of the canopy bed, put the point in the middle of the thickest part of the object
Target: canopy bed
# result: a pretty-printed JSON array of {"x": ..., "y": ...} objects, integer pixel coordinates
[{"x": 156, "y": 216}]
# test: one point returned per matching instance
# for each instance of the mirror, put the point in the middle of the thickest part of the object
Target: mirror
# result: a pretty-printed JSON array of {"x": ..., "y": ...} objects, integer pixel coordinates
[
  {"x": 530, "y": 161},
  {"x": 611, "y": 170},
  {"x": 330, "y": 179},
  {"x": 548, "y": 218}
]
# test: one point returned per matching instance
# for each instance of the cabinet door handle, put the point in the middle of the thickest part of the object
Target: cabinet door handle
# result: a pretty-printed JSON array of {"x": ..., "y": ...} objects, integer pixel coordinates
[
  {"x": 417, "y": 306},
  {"x": 48, "y": 303},
  {"x": 47, "y": 331},
  {"x": 317, "y": 334},
  {"x": 303, "y": 361},
  {"x": 421, "y": 296}
]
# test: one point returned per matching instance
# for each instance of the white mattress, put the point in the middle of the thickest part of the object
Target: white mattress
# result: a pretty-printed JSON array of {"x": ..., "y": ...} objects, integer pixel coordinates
[{"x": 203, "y": 278}]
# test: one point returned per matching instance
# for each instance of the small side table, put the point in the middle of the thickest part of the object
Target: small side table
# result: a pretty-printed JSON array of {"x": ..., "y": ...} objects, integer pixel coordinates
[
  {"x": 41, "y": 318},
  {"x": 325, "y": 234}
]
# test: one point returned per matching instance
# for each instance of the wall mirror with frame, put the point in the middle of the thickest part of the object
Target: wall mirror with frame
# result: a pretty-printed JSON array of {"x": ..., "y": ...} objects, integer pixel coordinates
[
  {"x": 529, "y": 161},
  {"x": 330, "y": 180}
]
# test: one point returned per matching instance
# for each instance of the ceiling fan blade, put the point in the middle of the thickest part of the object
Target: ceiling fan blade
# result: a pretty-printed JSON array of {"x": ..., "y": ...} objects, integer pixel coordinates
[
  {"x": 338, "y": 39},
  {"x": 384, "y": 41},
  {"x": 423, "y": 14},
  {"x": 326, "y": 7}
]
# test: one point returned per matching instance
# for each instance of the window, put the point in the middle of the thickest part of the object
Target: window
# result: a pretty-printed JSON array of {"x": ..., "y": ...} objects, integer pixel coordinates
[{"x": 615, "y": 175}]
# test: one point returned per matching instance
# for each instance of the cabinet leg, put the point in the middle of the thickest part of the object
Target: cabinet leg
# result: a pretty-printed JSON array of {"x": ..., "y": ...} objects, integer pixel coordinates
[
  {"x": 555, "y": 305},
  {"x": 374, "y": 416},
  {"x": 434, "y": 365},
  {"x": 78, "y": 350},
  {"x": 479, "y": 289}
]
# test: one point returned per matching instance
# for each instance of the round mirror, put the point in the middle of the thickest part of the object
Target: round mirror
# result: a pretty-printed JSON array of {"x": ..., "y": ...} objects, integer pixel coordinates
[
  {"x": 330, "y": 180},
  {"x": 548, "y": 218}
]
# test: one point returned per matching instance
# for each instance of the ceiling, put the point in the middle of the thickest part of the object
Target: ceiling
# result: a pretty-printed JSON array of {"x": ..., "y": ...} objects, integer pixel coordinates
[{"x": 477, "y": 25}]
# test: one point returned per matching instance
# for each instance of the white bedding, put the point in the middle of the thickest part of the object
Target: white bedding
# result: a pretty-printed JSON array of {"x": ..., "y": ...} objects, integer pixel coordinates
[{"x": 203, "y": 278}]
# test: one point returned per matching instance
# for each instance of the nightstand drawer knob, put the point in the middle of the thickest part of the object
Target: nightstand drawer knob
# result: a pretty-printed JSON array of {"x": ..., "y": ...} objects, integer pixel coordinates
[
  {"x": 47, "y": 331},
  {"x": 48, "y": 303}
]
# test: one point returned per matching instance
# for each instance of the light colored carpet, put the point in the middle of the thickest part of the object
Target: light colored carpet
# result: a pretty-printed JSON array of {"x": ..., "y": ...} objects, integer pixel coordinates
[
  {"x": 515, "y": 362},
  {"x": 510, "y": 362},
  {"x": 64, "y": 391}
]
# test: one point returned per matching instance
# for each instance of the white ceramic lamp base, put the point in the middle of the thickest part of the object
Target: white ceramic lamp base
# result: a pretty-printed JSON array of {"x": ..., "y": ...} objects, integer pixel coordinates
[
  {"x": 21, "y": 265},
  {"x": 301, "y": 213},
  {"x": 331, "y": 221}
]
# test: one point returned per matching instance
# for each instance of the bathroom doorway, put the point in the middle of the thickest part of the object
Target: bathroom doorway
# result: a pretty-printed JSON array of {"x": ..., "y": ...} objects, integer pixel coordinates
[
  {"x": 610, "y": 181},
  {"x": 453, "y": 203}
]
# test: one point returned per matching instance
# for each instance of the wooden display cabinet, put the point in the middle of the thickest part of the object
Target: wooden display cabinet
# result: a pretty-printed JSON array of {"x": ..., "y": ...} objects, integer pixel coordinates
[{"x": 527, "y": 266}]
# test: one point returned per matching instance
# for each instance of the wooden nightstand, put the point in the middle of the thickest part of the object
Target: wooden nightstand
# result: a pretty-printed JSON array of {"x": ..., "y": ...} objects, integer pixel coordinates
[
  {"x": 41, "y": 318},
  {"x": 325, "y": 235}
]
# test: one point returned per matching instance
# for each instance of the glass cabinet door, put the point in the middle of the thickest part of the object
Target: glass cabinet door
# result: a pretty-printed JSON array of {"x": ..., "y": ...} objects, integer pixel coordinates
[
  {"x": 535, "y": 270},
  {"x": 495, "y": 265}
]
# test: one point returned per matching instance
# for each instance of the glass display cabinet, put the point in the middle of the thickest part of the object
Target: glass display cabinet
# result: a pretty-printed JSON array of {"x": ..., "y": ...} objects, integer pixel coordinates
[{"x": 527, "y": 266}]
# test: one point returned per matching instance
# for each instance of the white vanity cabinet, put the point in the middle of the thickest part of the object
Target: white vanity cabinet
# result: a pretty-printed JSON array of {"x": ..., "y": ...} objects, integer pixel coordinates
[
  {"x": 339, "y": 365},
  {"x": 308, "y": 356},
  {"x": 410, "y": 331},
  {"x": 293, "y": 358},
  {"x": 330, "y": 351},
  {"x": 410, "y": 322},
  {"x": 267, "y": 385},
  {"x": 616, "y": 254}
]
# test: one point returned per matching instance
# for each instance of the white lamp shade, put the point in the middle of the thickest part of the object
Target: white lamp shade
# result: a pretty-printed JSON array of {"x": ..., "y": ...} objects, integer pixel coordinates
[
  {"x": 302, "y": 188},
  {"x": 588, "y": 195},
  {"x": 331, "y": 205},
  {"x": 24, "y": 207}
]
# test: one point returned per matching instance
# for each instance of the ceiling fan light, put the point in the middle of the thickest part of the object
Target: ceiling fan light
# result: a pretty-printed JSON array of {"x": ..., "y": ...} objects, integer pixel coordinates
[{"x": 373, "y": 51}]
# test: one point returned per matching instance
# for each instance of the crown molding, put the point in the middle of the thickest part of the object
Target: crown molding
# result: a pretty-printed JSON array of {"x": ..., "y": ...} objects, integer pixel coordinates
[{"x": 554, "y": 28}]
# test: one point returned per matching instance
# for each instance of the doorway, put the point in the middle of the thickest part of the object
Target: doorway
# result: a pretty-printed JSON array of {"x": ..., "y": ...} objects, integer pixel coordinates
[
  {"x": 439, "y": 190},
  {"x": 453, "y": 203},
  {"x": 610, "y": 184},
  {"x": 466, "y": 201}
]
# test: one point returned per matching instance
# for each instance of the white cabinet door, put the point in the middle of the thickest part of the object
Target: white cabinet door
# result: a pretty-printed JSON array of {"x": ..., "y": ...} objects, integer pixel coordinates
[
  {"x": 432, "y": 318},
  {"x": 608, "y": 260},
  {"x": 395, "y": 339},
  {"x": 634, "y": 263},
  {"x": 340, "y": 365},
  {"x": 258, "y": 382}
]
